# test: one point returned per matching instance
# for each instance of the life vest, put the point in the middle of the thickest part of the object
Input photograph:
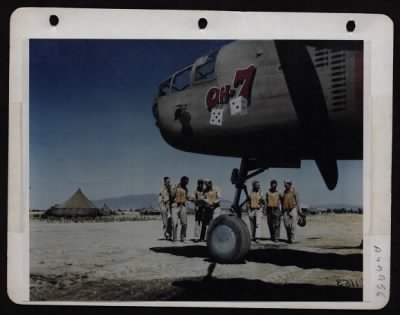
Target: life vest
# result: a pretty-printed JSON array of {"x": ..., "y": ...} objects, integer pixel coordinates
[
  {"x": 198, "y": 194},
  {"x": 180, "y": 195},
  {"x": 289, "y": 200},
  {"x": 211, "y": 196},
  {"x": 272, "y": 198},
  {"x": 255, "y": 200}
]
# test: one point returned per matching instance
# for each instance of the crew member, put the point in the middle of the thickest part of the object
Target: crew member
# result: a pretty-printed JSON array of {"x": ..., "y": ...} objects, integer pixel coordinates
[
  {"x": 291, "y": 209},
  {"x": 212, "y": 198},
  {"x": 165, "y": 206},
  {"x": 254, "y": 205},
  {"x": 198, "y": 195},
  {"x": 179, "y": 199},
  {"x": 273, "y": 212}
]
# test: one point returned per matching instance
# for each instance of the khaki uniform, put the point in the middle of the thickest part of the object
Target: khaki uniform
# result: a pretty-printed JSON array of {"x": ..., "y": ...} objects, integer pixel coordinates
[
  {"x": 290, "y": 213},
  {"x": 254, "y": 205},
  {"x": 198, "y": 212},
  {"x": 273, "y": 212},
  {"x": 179, "y": 212},
  {"x": 212, "y": 197},
  {"x": 165, "y": 209}
]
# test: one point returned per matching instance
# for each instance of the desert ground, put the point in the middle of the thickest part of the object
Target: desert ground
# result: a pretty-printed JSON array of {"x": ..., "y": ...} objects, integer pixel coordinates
[{"x": 131, "y": 261}]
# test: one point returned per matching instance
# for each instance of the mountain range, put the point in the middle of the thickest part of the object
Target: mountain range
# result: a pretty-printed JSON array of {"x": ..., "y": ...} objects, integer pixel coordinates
[
  {"x": 336, "y": 206},
  {"x": 138, "y": 201},
  {"x": 151, "y": 201}
]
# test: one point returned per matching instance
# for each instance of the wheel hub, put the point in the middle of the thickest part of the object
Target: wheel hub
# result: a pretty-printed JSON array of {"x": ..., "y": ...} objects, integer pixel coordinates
[{"x": 223, "y": 239}]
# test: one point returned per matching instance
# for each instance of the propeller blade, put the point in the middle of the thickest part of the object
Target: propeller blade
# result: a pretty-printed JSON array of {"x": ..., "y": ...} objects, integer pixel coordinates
[
  {"x": 329, "y": 171},
  {"x": 310, "y": 106}
]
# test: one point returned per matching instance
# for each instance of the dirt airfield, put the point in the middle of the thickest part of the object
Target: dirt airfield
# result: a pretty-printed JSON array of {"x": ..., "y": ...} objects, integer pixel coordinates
[{"x": 130, "y": 261}]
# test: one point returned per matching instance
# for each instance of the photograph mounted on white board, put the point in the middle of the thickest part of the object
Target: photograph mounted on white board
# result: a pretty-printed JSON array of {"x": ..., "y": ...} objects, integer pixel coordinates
[{"x": 196, "y": 170}]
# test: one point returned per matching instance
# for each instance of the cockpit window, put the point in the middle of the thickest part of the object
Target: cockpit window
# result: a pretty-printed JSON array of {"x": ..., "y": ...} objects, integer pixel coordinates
[
  {"x": 206, "y": 70},
  {"x": 164, "y": 88},
  {"x": 181, "y": 80}
]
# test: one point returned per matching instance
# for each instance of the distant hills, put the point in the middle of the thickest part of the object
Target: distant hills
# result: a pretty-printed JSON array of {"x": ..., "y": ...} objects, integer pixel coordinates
[
  {"x": 138, "y": 201},
  {"x": 129, "y": 202},
  {"x": 151, "y": 201},
  {"x": 336, "y": 206}
]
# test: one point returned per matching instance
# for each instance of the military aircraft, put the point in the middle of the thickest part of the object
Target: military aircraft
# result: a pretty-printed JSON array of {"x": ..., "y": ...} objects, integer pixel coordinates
[{"x": 271, "y": 103}]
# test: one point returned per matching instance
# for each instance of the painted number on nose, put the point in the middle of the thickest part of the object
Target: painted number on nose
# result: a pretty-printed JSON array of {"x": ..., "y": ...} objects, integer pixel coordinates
[{"x": 243, "y": 80}]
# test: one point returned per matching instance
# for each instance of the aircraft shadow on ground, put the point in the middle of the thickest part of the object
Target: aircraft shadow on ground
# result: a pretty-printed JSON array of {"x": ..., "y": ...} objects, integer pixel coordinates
[
  {"x": 238, "y": 289},
  {"x": 344, "y": 247},
  {"x": 277, "y": 256},
  {"x": 190, "y": 251}
]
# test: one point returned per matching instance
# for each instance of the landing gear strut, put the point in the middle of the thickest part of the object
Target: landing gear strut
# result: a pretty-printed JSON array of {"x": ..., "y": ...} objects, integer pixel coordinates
[{"x": 228, "y": 237}]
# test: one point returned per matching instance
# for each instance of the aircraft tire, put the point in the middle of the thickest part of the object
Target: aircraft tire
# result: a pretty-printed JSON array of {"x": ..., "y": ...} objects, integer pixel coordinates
[{"x": 228, "y": 239}]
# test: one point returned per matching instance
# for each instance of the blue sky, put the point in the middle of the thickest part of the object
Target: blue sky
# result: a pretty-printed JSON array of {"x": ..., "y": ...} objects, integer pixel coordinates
[{"x": 91, "y": 126}]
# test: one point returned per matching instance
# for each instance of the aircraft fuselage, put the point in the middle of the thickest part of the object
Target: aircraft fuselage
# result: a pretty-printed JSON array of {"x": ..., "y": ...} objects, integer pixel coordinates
[{"x": 281, "y": 101}]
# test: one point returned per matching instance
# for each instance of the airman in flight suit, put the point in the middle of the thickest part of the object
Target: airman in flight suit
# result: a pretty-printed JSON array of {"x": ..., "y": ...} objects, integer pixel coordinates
[
  {"x": 291, "y": 209},
  {"x": 212, "y": 198},
  {"x": 179, "y": 212},
  {"x": 165, "y": 206},
  {"x": 198, "y": 195},
  {"x": 254, "y": 205},
  {"x": 273, "y": 211}
]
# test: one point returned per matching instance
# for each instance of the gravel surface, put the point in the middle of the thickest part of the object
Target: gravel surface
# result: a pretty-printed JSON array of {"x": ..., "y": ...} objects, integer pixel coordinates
[{"x": 130, "y": 261}]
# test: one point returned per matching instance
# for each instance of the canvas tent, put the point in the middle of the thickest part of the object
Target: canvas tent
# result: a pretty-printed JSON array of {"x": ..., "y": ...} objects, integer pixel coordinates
[{"x": 77, "y": 205}]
